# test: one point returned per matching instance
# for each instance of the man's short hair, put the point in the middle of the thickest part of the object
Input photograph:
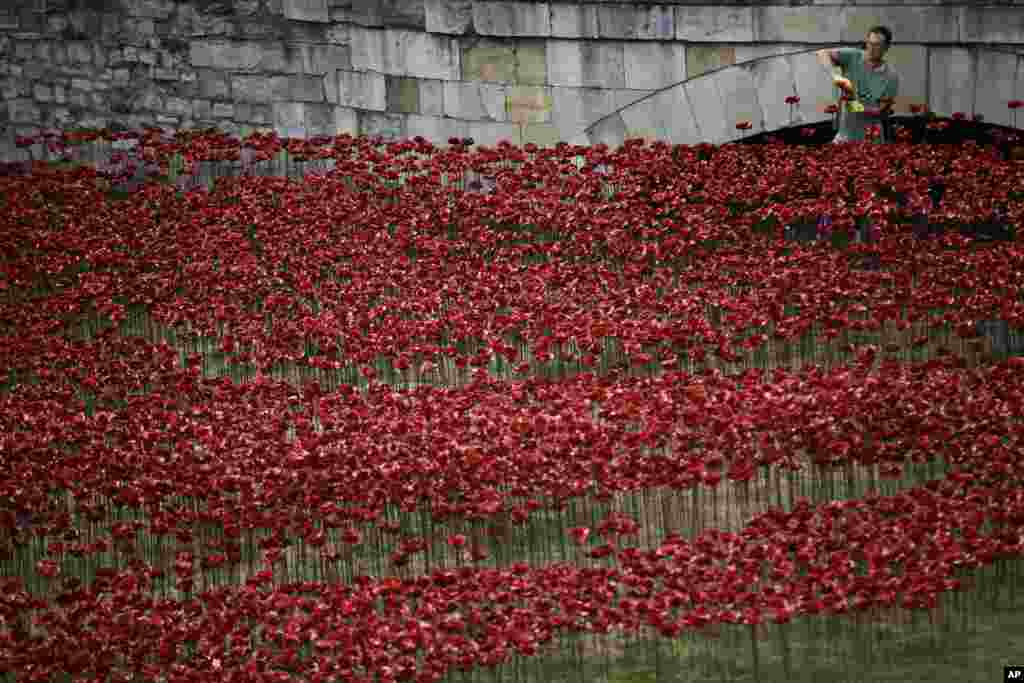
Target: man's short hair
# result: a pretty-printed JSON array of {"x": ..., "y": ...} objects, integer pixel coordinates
[{"x": 884, "y": 32}]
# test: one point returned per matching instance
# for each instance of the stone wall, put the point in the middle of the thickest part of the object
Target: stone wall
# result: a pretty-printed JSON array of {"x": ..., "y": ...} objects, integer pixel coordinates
[{"x": 522, "y": 71}]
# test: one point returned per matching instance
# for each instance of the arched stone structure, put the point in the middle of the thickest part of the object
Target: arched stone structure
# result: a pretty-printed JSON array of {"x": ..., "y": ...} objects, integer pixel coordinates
[{"x": 973, "y": 80}]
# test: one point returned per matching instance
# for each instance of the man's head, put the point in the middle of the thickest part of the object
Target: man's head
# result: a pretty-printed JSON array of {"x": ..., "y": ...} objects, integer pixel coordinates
[{"x": 877, "y": 43}]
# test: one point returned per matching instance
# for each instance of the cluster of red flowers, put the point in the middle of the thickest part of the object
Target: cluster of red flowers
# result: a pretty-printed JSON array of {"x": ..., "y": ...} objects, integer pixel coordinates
[{"x": 328, "y": 430}]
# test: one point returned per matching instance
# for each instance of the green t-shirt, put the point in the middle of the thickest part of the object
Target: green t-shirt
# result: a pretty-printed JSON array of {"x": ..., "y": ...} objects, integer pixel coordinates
[{"x": 871, "y": 86}]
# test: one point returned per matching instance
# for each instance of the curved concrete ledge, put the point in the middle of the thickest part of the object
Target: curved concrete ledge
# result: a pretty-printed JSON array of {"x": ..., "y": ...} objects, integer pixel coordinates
[{"x": 708, "y": 107}]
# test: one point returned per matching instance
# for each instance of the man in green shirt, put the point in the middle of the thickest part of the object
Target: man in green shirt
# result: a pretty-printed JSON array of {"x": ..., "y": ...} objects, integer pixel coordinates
[{"x": 867, "y": 79}]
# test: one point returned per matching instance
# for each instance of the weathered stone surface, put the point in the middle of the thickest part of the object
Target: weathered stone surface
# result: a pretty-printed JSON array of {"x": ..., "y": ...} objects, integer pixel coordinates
[
  {"x": 636, "y": 22},
  {"x": 306, "y": 10},
  {"x": 289, "y": 115},
  {"x": 42, "y": 92},
  {"x": 700, "y": 59},
  {"x": 609, "y": 131},
  {"x": 651, "y": 65},
  {"x": 775, "y": 23},
  {"x": 178, "y": 106},
  {"x": 573, "y": 109},
  {"x": 714, "y": 23},
  {"x": 773, "y": 79},
  {"x": 223, "y": 110},
  {"x": 528, "y": 104},
  {"x": 431, "y": 56},
  {"x": 362, "y": 90},
  {"x": 202, "y": 109},
  {"x": 504, "y": 18},
  {"x": 253, "y": 113},
  {"x": 951, "y": 79},
  {"x": 706, "y": 104},
  {"x": 997, "y": 82},
  {"x": 431, "y": 96},
  {"x": 586, "y": 63},
  {"x": 346, "y": 120},
  {"x": 738, "y": 93},
  {"x": 910, "y": 24},
  {"x": 910, "y": 62},
  {"x": 531, "y": 62},
  {"x": 990, "y": 24},
  {"x": 574, "y": 21},
  {"x": 319, "y": 59},
  {"x": 540, "y": 134},
  {"x": 320, "y": 119},
  {"x": 153, "y": 9},
  {"x": 257, "y": 88},
  {"x": 813, "y": 86},
  {"x": 398, "y": 52},
  {"x": 448, "y": 16},
  {"x": 489, "y": 60},
  {"x": 489, "y": 134},
  {"x": 213, "y": 84},
  {"x": 237, "y": 56},
  {"x": 475, "y": 101},
  {"x": 403, "y": 94},
  {"x": 337, "y": 34},
  {"x": 388, "y": 126},
  {"x": 436, "y": 129}
]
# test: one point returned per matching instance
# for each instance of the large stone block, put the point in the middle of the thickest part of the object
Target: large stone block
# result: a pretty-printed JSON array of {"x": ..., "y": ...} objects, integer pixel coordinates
[
  {"x": 436, "y": 129},
  {"x": 773, "y": 79},
  {"x": 997, "y": 81},
  {"x": 654, "y": 65},
  {"x": 380, "y": 50},
  {"x": 289, "y": 115},
  {"x": 346, "y": 120},
  {"x": 573, "y": 109},
  {"x": 254, "y": 113},
  {"x": 714, "y": 24},
  {"x": 636, "y": 22},
  {"x": 489, "y": 60},
  {"x": 319, "y": 59},
  {"x": 488, "y": 133},
  {"x": 212, "y": 84},
  {"x": 813, "y": 86},
  {"x": 381, "y": 13},
  {"x": 910, "y": 63},
  {"x": 531, "y": 62},
  {"x": 706, "y": 105},
  {"x": 320, "y": 119},
  {"x": 700, "y": 59},
  {"x": 990, "y": 24},
  {"x": 388, "y": 126},
  {"x": 574, "y": 21},
  {"x": 431, "y": 93},
  {"x": 79, "y": 52},
  {"x": 362, "y": 90},
  {"x": 528, "y": 104},
  {"x": 238, "y": 56},
  {"x": 503, "y": 18},
  {"x": 950, "y": 79},
  {"x": 306, "y": 10},
  {"x": 266, "y": 89},
  {"x": 449, "y": 16},
  {"x": 738, "y": 93},
  {"x": 919, "y": 24},
  {"x": 398, "y": 52},
  {"x": 403, "y": 94},
  {"x": 475, "y": 101},
  {"x": 586, "y": 63},
  {"x": 776, "y": 23},
  {"x": 153, "y": 9}
]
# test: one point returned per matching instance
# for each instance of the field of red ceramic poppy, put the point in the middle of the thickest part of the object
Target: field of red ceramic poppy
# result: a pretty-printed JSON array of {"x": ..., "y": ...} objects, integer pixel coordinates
[{"x": 467, "y": 413}]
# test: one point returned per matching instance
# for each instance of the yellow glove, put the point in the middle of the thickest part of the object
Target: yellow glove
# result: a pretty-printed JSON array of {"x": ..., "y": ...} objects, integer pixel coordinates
[{"x": 854, "y": 106}]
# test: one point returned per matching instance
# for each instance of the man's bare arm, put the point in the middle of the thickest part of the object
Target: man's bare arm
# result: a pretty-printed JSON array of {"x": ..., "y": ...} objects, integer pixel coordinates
[{"x": 828, "y": 57}]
